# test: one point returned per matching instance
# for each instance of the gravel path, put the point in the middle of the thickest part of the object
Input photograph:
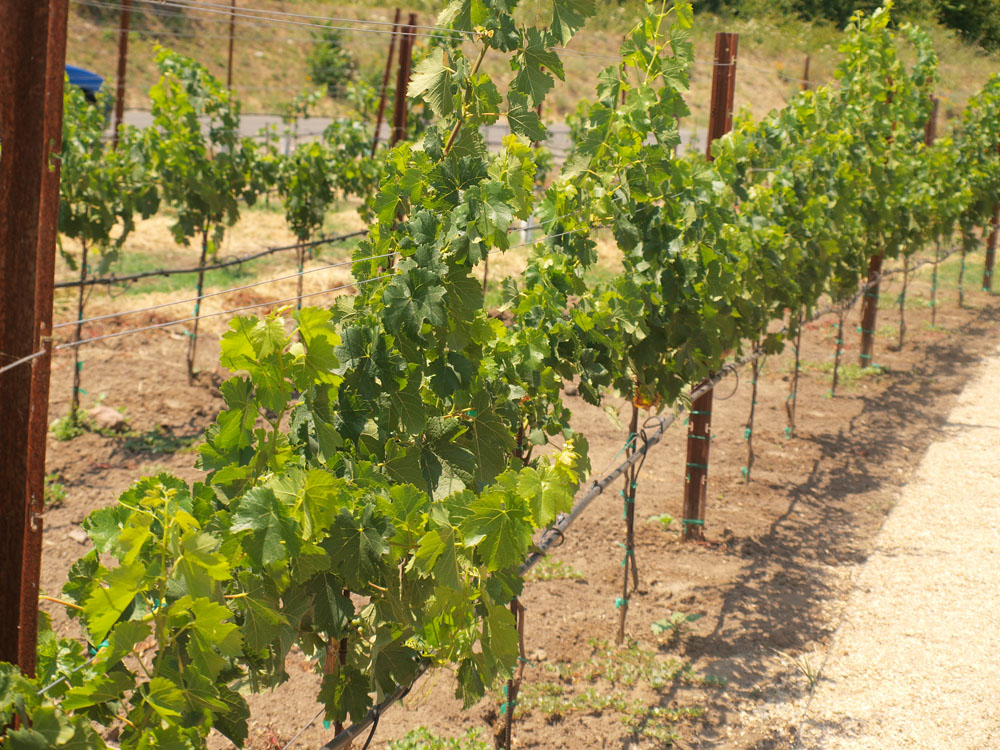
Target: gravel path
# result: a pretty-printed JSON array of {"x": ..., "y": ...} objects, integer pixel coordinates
[{"x": 915, "y": 662}]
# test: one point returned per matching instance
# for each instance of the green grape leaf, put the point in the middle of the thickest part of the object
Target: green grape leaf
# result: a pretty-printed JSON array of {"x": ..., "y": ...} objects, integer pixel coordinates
[
  {"x": 124, "y": 637},
  {"x": 431, "y": 80},
  {"x": 274, "y": 535},
  {"x": 535, "y": 63},
  {"x": 332, "y": 610},
  {"x": 522, "y": 120},
  {"x": 394, "y": 662},
  {"x": 232, "y": 722},
  {"x": 108, "y": 600},
  {"x": 164, "y": 697},
  {"x": 345, "y": 692},
  {"x": 357, "y": 545},
  {"x": 499, "y": 528},
  {"x": 102, "y": 688},
  {"x": 569, "y": 16},
  {"x": 437, "y": 555},
  {"x": 211, "y": 620}
]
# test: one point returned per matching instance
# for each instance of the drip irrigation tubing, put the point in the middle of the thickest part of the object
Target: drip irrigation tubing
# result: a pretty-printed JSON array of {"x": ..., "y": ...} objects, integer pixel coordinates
[{"x": 108, "y": 280}]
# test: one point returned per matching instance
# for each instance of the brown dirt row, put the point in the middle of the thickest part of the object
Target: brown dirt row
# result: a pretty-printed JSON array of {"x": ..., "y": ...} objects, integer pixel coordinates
[{"x": 768, "y": 584}]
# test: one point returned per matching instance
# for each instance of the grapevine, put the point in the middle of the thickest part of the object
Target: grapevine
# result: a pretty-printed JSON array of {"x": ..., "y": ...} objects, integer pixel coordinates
[{"x": 380, "y": 468}]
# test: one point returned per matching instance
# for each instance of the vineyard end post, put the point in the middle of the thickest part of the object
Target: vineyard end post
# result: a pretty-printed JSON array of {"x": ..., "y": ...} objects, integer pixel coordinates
[
  {"x": 32, "y": 66},
  {"x": 403, "y": 80},
  {"x": 700, "y": 424},
  {"x": 805, "y": 74}
]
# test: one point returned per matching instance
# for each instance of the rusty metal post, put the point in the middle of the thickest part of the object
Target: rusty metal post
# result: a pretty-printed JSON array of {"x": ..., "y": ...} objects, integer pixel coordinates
[
  {"x": 869, "y": 311},
  {"x": 385, "y": 80},
  {"x": 720, "y": 121},
  {"x": 232, "y": 36},
  {"x": 805, "y": 75},
  {"x": 32, "y": 67},
  {"x": 930, "y": 129},
  {"x": 123, "y": 31},
  {"x": 403, "y": 80}
]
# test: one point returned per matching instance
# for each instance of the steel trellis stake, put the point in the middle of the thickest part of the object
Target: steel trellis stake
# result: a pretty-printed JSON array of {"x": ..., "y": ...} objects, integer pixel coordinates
[
  {"x": 32, "y": 67},
  {"x": 629, "y": 567},
  {"x": 991, "y": 251},
  {"x": 385, "y": 80},
  {"x": 700, "y": 424},
  {"x": 123, "y": 28},
  {"x": 403, "y": 80},
  {"x": 748, "y": 431}
]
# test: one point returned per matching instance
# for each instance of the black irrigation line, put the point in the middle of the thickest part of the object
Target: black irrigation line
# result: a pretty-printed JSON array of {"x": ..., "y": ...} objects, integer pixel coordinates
[{"x": 109, "y": 280}]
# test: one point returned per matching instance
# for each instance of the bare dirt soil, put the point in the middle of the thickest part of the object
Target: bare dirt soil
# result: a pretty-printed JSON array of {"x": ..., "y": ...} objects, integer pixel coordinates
[{"x": 768, "y": 584}]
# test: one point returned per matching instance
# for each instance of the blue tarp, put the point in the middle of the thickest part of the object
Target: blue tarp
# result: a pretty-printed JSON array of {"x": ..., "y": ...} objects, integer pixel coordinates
[{"x": 85, "y": 79}]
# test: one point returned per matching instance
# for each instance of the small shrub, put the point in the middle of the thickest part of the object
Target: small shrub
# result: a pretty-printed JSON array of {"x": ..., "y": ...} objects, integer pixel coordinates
[
  {"x": 331, "y": 65},
  {"x": 422, "y": 738},
  {"x": 55, "y": 493}
]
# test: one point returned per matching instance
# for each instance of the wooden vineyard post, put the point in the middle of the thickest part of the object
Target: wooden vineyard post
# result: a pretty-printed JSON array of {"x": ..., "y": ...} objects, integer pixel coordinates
[
  {"x": 232, "y": 37},
  {"x": 805, "y": 75},
  {"x": 869, "y": 311},
  {"x": 700, "y": 424},
  {"x": 123, "y": 31},
  {"x": 629, "y": 567},
  {"x": 403, "y": 80},
  {"x": 32, "y": 66},
  {"x": 385, "y": 80}
]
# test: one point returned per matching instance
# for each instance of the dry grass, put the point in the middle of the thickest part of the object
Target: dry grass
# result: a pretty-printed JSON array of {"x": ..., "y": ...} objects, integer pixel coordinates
[
  {"x": 270, "y": 60},
  {"x": 151, "y": 246}
]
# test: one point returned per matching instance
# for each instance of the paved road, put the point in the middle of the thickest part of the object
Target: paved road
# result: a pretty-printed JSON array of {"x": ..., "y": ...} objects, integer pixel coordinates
[{"x": 312, "y": 127}]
